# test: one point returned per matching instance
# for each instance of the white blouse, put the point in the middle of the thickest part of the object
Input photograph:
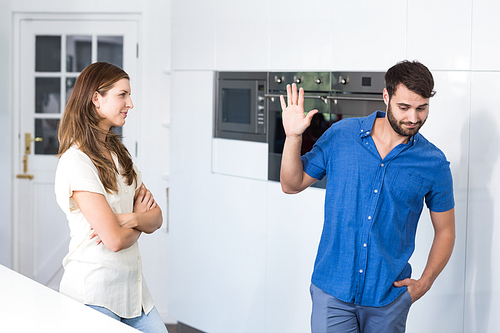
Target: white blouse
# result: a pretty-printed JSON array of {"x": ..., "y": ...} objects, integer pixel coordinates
[{"x": 93, "y": 274}]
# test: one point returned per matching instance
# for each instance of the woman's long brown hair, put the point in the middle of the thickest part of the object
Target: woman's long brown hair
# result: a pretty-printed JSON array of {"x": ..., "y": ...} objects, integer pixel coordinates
[{"x": 79, "y": 124}]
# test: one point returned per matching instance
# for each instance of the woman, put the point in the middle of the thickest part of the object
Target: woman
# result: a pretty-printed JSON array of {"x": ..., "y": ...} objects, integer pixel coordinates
[{"x": 106, "y": 204}]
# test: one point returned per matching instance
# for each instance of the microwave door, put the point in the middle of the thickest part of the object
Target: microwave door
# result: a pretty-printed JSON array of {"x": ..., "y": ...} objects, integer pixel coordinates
[{"x": 238, "y": 107}]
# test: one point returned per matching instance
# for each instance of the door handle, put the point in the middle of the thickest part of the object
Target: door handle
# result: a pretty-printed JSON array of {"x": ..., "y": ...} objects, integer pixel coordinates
[
  {"x": 27, "y": 142},
  {"x": 25, "y": 169}
]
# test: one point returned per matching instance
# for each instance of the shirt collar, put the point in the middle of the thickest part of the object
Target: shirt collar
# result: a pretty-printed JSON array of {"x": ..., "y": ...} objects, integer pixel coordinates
[{"x": 368, "y": 122}]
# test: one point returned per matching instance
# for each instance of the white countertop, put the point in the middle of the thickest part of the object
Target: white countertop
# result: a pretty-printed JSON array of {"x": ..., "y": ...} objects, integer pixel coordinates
[{"x": 27, "y": 306}]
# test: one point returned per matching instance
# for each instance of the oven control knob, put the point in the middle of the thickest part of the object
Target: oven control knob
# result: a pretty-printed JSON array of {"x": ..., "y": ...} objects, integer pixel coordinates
[
  {"x": 297, "y": 80},
  {"x": 318, "y": 80},
  {"x": 278, "y": 79},
  {"x": 343, "y": 80}
]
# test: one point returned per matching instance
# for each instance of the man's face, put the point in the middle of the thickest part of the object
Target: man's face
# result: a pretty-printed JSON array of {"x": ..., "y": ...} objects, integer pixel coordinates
[{"x": 406, "y": 111}]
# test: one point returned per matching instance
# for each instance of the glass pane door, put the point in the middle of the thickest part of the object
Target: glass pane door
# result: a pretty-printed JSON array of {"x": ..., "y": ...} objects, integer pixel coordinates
[{"x": 54, "y": 79}]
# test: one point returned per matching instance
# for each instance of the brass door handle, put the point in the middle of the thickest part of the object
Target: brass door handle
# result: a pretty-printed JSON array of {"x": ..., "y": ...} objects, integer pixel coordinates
[
  {"x": 25, "y": 169},
  {"x": 27, "y": 142},
  {"x": 23, "y": 176}
]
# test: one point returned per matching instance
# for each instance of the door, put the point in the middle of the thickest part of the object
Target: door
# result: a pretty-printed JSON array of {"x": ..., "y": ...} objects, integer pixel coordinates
[{"x": 51, "y": 54}]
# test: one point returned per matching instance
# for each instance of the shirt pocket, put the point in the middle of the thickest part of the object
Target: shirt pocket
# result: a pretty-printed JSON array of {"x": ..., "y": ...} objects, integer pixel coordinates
[{"x": 405, "y": 185}]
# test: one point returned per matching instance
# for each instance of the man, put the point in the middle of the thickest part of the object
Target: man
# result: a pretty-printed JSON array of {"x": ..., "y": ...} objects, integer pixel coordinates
[{"x": 379, "y": 171}]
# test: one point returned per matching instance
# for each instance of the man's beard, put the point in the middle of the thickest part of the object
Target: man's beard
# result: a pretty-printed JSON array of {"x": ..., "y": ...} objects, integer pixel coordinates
[{"x": 398, "y": 126}]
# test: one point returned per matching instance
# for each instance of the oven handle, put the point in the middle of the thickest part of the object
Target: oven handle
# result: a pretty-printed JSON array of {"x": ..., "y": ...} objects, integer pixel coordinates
[
  {"x": 323, "y": 98},
  {"x": 376, "y": 99}
]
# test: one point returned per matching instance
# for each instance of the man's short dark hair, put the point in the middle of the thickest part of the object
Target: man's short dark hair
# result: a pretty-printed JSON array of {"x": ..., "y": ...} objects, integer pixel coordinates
[{"x": 413, "y": 75}]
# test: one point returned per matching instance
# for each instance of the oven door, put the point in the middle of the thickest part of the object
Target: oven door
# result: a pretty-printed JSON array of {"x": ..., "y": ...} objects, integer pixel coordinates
[
  {"x": 240, "y": 109},
  {"x": 319, "y": 124},
  {"x": 356, "y": 105}
]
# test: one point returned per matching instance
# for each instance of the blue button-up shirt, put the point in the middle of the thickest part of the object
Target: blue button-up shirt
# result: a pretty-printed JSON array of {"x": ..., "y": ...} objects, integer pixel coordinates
[{"x": 372, "y": 207}]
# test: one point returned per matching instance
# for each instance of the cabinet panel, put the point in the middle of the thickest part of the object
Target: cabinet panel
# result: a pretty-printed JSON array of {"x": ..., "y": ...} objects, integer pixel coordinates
[
  {"x": 190, "y": 257},
  {"x": 482, "y": 302},
  {"x": 300, "y": 36},
  {"x": 242, "y": 35},
  {"x": 368, "y": 35},
  {"x": 439, "y": 33},
  {"x": 448, "y": 128},
  {"x": 193, "y": 34},
  {"x": 239, "y": 261},
  {"x": 293, "y": 233},
  {"x": 485, "y": 29}
]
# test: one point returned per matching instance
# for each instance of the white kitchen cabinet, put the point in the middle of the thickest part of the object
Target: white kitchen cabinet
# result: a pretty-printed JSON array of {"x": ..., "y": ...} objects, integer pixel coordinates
[
  {"x": 368, "y": 35},
  {"x": 190, "y": 253},
  {"x": 239, "y": 254},
  {"x": 439, "y": 33},
  {"x": 217, "y": 239},
  {"x": 448, "y": 128},
  {"x": 194, "y": 34},
  {"x": 482, "y": 295},
  {"x": 485, "y": 30},
  {"x": 293, "y": 232},
  {"x": 300, "y": 36},
  {"x": 242, "y": 35}
]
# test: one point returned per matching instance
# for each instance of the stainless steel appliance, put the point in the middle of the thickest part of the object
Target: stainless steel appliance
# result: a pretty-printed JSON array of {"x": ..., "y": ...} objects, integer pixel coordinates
[
  {"x": 336, "y": 95},
  {"x": 240, "y": 111}
]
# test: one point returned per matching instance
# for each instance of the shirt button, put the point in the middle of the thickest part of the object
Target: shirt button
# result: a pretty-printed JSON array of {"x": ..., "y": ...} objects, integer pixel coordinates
[
  {"x": 139, "y": 280},
  {"x": 382, "y": 164},
  {"x": 369, "y": 217},
  {"x": 376, "y": 191},
  {"x": 138, "y": 257},
  {"x": 360, "y": 271},
  {"x": 364, "y": 245},
  {"x": 126, "y": 191}
]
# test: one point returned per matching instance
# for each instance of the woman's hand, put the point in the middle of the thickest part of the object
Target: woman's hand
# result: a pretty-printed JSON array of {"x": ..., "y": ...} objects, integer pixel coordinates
[
  {"x": 143, "y": 200},
  {"x": 129, "y": 221},
  {"x": 146, "y": 216},
  {"x": 94, "y": 234}
]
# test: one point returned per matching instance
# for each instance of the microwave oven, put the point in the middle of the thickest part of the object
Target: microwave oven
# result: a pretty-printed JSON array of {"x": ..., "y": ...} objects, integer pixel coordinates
[{"x": 240, "y": 111}]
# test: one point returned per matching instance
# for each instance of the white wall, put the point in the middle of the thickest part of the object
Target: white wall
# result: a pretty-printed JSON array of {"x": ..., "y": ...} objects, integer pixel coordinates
[
  {"x": 242, "y": 251},
  {"x": 153, "y": 109},
  {"x": 5, "y": 135}
]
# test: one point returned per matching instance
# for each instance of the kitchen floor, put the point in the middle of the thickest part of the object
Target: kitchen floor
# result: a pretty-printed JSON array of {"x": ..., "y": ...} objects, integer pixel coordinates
[
  {"x": 171, "y": 328},
  {"x": 181, "y": 328}
]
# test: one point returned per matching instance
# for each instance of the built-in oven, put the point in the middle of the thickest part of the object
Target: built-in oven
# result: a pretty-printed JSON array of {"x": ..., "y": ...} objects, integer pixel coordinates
[
  {"x": 316, "y": 87},
  {"x": 240, "y": 111},
  {"x": 336, "y": 95}
]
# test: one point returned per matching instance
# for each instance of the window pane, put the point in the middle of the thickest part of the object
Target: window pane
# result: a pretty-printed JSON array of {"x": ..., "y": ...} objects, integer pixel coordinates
[
  {"x": 118, "y": 130},
  {"x": 110, "y": 49},
  {"x": 46, "y": 129},
  {"x": 48, "y": 54},
  {"x": 47, "y": 95},
  {"x": 70, "y": 83},
  {"x": 78, "y": 53}
]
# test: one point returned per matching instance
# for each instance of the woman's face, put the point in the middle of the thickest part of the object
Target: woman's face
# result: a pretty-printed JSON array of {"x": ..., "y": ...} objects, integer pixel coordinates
[{"x": 114, "y": 105}]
